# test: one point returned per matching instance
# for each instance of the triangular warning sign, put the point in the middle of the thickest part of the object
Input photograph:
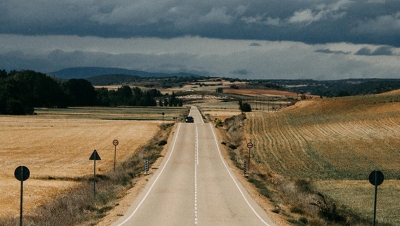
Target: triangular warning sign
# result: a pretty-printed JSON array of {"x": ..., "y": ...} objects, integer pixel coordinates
[{"x": 95, "y": 156}]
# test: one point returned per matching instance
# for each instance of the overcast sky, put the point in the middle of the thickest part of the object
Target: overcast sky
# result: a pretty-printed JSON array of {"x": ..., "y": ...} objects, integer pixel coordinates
[{"x": 256, "y": 39}]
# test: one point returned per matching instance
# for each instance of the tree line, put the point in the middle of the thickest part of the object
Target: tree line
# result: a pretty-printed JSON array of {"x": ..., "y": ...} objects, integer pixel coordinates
[{"x": 22, "y": 91}]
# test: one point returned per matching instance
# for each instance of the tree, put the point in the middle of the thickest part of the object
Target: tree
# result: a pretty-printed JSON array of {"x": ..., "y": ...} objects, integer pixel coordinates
[
  {"x": 3, "y": 74},
  {"x": 103, "y": 97},
  {"x": 173, "y": 101},
  {"x": 244, "y": 107},
  {"x": 80, "y": 92},
  {"x": 125, "y": 96},
  {"x": 166, "y": 102}
]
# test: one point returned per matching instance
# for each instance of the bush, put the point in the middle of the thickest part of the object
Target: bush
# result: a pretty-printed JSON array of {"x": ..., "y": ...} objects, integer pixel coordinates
[
  {"x": 303, "y": 220},
  {"x": 297, "y": 210},
  {"x": 245, "y": 107},
  {"x": 232, "y": 146},
  {"x": 162, "y": 143},
  {"x": 304, "y": 186}
]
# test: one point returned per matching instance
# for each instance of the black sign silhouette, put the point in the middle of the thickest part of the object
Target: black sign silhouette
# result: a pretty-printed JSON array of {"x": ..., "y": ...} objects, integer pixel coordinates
[{"x": 22, "y": 173}]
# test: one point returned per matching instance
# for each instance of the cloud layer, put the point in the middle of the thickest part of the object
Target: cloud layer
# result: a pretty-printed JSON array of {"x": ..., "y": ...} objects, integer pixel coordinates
[
  {"x": 322, "y": 39},
  {"x": 320, "y": 21}
]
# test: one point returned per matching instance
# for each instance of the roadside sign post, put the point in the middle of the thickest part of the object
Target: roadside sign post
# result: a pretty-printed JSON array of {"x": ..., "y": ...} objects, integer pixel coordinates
[
  {"x": 21, "y": 173},
  {"x": 249, "y": 146},
  {"x": 146, "y": 166},
  {"x": 376, "y": 178},
  {"x": 244, "y": 168},
  {"x": 95, "y": 156},
  {"x": 115, "y": 143}
]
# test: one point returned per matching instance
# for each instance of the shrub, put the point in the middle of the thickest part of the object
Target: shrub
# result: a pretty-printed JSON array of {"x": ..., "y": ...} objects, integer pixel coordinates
[
  {"x": 303, "y": 220},
  {"x": 296, "y": 209},
  {"x": 232, "y": 146},
  {"x": 162, "y": 143}
]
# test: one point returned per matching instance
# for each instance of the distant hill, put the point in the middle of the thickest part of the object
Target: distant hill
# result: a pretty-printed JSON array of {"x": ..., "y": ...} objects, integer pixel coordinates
[
  {"x": 101, "y": 80},
  {"x": 87, "y": 72}
]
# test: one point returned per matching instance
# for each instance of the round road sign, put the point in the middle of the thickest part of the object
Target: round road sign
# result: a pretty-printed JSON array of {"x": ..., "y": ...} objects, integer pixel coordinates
[
  {"x": 249, "y": 145},
  {"x": 22, "y": 173},
  {"x": 115, "y": 142},
  {"x": 376, "y": 178}
]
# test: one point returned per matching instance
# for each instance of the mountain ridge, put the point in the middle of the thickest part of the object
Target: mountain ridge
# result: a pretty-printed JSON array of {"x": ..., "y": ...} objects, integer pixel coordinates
[{"x": 87, "y": 72}]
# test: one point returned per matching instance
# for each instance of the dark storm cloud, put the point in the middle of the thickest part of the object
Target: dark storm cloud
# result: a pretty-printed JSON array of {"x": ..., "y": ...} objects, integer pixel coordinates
[
  {"x": 330, "y": 51},
  {"x": 380, "y": 51},
  {"x": 318, "y": 21}
]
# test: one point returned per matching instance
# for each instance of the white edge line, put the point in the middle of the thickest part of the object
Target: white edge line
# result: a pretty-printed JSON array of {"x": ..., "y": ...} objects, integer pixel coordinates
[
  {"x": 197, "y": 146},
  {"x": 227, "y": 169},
  {"x": 195, "y": 176},
  {"x": 144, "y": 198}
]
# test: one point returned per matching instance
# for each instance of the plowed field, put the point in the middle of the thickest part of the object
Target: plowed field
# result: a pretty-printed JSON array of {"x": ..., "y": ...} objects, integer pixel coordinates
[
  {"x": 329, "y": 138},
  {"x": 337, "y": 143}
]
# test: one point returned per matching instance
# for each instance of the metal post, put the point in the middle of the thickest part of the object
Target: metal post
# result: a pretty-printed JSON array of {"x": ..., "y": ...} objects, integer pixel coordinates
[
  {"x": 376, "y": 194},
  {"x": 94, "y": 179},
  {"x": 248, "y": 167},
  {"x": 22, "y": 195},
  {"x": 115, "y": 155},
  {"x": 244, "y": 168}
]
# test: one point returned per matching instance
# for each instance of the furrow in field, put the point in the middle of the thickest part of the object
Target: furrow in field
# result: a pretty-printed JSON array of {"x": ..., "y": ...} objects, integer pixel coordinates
[
  {"x": 272, "y": 155},
  {"x": 291, "y": 160},
  {"x": 298, "y": 149},
  {"x": 266, "y": 142},
  {"x": 322, "y": 131},
  {"x": 387, "y": 124},
  {"x": 276, "y": 161}
]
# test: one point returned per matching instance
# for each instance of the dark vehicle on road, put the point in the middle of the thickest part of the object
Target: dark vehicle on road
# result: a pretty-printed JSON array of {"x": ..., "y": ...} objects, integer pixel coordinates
[{"x": 189, "y": 119}]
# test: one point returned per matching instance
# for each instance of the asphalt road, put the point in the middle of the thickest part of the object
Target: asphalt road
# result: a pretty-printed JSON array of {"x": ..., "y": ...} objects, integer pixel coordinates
[{"x": 194, "y": 186}]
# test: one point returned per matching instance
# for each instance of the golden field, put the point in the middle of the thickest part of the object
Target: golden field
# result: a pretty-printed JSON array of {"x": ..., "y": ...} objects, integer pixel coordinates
[
  {"x": 335, "y": 143},
  {"x": 56, "y": 149}
]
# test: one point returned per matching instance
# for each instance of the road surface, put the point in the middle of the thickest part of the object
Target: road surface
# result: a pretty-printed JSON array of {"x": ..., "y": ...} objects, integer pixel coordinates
[{"x": 194, "y": 186}]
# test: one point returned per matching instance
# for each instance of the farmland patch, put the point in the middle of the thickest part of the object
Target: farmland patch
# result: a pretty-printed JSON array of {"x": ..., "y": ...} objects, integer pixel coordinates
[{"x": 57, "y": 148}]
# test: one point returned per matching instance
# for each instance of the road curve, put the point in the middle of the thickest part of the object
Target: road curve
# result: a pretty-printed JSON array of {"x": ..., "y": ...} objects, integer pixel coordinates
[{"x": 194, "y": 186}]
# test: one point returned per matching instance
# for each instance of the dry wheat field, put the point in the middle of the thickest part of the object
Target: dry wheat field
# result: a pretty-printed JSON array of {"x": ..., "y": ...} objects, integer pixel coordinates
[
  {"x": 335, "y": 142},
  {"x": 58, "y": 146}
]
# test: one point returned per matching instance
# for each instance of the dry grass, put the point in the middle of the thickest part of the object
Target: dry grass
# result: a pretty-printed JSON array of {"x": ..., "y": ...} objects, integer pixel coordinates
[
  {"x": 340, "y": 138},
  {"x": 359, "y": 196},
  {"x": 315, "y": 141},
  {"x": 59, "y": 149}
]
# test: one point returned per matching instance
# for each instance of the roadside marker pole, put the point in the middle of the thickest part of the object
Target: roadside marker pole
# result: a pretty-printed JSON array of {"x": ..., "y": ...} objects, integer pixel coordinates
[
  {"x": 146, "y": 166},
  {"x": 115, "y": 143},
  {"x": 249, "y": 146},
  {"x": 376, "y": 178},
  {"x": 95, "y": 156},
  {"x": 244, "y": 168},
  {"x": 21, "y": 173}
]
